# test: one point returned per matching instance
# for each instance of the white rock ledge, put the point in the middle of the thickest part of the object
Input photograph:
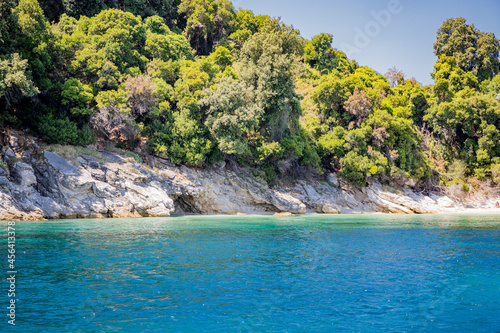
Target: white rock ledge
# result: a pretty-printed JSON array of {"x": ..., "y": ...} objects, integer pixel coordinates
[{"x": 51, "y": 186}]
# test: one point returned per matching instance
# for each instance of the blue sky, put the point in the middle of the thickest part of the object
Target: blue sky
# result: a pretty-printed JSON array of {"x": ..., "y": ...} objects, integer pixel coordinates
[{"x": 404, "y": 40}]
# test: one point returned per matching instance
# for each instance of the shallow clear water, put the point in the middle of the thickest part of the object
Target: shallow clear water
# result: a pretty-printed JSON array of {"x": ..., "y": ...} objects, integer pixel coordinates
[{"x": 364, "y": 273}]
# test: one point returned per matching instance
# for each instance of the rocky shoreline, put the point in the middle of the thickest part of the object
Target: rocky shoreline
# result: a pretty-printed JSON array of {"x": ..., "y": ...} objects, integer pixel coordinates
[{"x": 37, "y": 184}]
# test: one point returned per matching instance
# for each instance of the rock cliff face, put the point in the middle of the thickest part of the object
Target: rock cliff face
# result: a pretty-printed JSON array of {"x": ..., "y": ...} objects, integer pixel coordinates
[{"x": 38, "y": 184}]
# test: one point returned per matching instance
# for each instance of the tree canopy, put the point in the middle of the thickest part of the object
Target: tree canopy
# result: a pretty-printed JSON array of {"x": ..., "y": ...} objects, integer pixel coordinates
[
  {"x": 199, "y": 82},
  {"x": 474, "y": 51}
]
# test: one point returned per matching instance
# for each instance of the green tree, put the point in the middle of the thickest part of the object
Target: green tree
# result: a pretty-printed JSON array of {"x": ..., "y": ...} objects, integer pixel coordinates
[
  {"x": 474, "y": 51},
  {"x": 77, "y": 95},
  {"x": 15, "y": 81},
  {"x": 469, "y": 124},
  {"x": 167, "y": 9},
  {"x": 411, "y": 94},
  {"x": 269, "y": 61},
  {"x": 54, "y": 9},
  {"x": 8, "y": 27},
  {"x": 107, "y": 45},
  {"x": 232, "y": 115},
  {"x": 397, "y": 139},
  {"x": 222, "y": 57},
  {"x": 77, "y": 8},
  {"x": 319, "y": 54},
  {"x": 167, "y": 70},
  {"x": 335, "y": 89},
  {"x": 491, "y": 87},
  {"x": 357, "y": 168},
  {"x": 177, "y": 130},
  {"x": 450, "y": 79},
  {"x": 332, "y": 146},
  {"x": 34, "y": 40},
  {"x": 208, "y": 21},
  {"x": 163, "y": 44},
  {"x": 179, "y": 137},
  {"x": 329, "y": 97},
  {"x": 62, "y": 131},
  {"x": 488, "y": 63}
]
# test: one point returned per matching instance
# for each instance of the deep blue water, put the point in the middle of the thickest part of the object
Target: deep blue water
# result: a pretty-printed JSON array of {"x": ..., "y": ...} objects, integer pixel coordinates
[{"x": 366, "y": 273}]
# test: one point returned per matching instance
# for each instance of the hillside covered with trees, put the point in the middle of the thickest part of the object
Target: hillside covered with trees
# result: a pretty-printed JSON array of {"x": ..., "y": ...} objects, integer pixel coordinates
[{"x": 199, "y": 82}]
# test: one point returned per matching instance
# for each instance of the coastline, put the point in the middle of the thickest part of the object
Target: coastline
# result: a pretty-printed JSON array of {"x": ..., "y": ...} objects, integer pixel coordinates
[
  {"x": 64, "y": 182},
  {"x": 467, "y": 212},
  {"x": 474, "y": 211}
]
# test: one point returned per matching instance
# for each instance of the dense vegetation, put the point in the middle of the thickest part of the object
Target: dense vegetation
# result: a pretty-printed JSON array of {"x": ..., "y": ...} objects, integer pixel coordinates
[{"x": 201, "y": 82}]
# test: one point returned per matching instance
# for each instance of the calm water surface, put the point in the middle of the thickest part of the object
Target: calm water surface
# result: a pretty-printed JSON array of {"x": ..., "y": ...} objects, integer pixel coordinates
[{"x": 257, "y": 274}]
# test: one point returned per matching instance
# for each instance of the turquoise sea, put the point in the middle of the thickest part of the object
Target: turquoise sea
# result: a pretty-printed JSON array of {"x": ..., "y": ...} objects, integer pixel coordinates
[{"x": 356, "y": 273}]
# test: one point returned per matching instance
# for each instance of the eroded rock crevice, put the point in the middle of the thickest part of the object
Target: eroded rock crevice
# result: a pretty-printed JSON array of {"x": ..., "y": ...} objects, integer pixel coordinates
[{"x": 185, "y": 205}]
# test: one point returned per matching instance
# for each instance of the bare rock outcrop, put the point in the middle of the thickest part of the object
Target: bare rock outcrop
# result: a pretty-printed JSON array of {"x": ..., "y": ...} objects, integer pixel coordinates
[
  {"x": 44, "y": 184},
  {"x": 40, "y": 184}
]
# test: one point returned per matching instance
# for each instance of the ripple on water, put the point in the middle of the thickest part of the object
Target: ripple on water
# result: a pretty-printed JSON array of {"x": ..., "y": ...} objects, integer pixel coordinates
[{"x": 260, "y": 274}]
